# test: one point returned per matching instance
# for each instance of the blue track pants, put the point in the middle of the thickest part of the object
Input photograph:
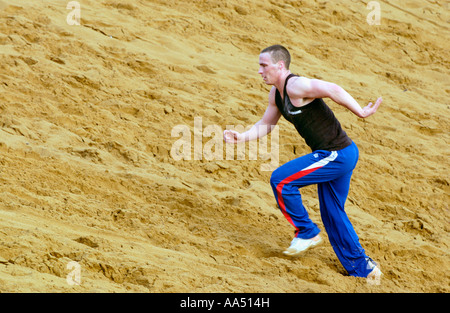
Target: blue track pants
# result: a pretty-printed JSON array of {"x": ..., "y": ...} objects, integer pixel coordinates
[{"x": 331, "y": 171}]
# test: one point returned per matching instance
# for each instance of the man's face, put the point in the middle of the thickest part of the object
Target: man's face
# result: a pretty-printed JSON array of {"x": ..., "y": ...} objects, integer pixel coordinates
[{"x": 267, "y": 69}]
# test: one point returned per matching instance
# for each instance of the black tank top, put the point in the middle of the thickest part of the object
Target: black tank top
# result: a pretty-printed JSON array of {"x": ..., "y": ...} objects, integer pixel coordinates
[{"x": 315, "y": 122}]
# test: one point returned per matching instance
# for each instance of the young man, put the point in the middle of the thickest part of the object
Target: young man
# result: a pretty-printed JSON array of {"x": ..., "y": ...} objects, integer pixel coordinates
[{"x": 330, "y": 165}]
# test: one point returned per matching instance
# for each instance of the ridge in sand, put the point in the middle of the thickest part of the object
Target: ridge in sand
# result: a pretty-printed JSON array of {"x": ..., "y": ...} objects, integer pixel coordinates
[{"x": 86, "y": 119}]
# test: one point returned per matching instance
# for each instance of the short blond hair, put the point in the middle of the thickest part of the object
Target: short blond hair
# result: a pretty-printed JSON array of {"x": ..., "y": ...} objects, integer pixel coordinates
[{"x": 279, "y": 53}]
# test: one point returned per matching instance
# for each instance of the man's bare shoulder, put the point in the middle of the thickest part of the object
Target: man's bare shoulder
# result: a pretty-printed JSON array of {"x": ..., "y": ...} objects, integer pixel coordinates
[
  {"x": 297, "y": 85},
  {"x": 298, "y": 81},
  {"x": 272, "y": 94}
]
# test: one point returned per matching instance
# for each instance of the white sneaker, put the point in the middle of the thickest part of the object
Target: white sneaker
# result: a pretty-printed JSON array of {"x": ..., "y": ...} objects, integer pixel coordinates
[
  {"x": 300, "y": 245},
  {"x": 375, "y": 275}
]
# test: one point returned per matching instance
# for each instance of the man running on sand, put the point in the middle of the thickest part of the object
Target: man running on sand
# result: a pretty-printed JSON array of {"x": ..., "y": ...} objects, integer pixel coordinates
[{"x": 330, "y": 165}]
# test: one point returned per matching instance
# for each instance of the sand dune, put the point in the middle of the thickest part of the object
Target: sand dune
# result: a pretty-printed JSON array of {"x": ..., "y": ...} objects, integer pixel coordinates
[{"x": 86, "y": 170}]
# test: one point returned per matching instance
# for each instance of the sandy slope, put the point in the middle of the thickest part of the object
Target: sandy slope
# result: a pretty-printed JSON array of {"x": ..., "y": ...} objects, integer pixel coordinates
[{"x": 86, "y": 120}]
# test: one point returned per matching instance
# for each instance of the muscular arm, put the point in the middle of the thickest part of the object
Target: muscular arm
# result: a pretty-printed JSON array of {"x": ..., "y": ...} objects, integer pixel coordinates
[
  {"x": 261, "y": 128},
  {"x": 313, "y": 88}
]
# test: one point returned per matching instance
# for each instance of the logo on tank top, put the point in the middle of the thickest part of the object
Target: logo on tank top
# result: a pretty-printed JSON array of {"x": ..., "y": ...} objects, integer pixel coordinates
[{"x": 294, "y": 112}]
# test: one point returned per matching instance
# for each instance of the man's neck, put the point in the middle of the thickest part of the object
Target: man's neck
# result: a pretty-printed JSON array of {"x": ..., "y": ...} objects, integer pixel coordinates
[{"x": 279, "y": 84}]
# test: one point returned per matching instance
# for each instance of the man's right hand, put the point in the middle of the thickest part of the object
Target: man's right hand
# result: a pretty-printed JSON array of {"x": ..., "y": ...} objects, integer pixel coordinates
[{"x": 231, "y": 136}]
